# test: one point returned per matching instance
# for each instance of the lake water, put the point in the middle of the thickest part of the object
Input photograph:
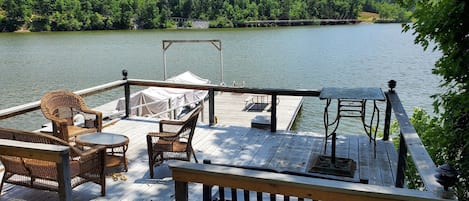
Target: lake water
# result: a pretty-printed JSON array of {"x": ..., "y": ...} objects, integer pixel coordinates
[{"x": 309, "y": 57}]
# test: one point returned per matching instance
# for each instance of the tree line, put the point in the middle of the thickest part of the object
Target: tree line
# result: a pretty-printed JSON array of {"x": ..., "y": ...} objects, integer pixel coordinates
[{"x": 73, "y": 15}]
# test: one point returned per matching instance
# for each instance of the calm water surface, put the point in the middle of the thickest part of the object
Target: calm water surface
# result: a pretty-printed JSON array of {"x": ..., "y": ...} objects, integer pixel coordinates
[{"x": 294, "y": 57}]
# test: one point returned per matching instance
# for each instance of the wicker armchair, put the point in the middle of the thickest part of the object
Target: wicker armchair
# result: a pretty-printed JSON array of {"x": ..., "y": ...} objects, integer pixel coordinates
[
  {"x": 169, "y": 145},
  {"x": 61, "y": 107},
  {"x": 85, "y": 165}
]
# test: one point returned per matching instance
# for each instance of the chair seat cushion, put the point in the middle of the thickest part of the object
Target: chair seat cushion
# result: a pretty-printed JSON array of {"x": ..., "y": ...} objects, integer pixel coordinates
[
  {"x": 170, "y": 146},
  {"x": 76, "y": 130},
  {"x": 48, "y": 170},
  {"x": 14, "y": 164}
]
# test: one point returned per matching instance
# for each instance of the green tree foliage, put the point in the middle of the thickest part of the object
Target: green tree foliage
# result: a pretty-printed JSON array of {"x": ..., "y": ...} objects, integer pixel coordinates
[
  {"x": 16, "y": 14},
  {"x": 394, "y": 12},
  {"x": 70, "y": 15},
  {"x": 445, "y": 24}
]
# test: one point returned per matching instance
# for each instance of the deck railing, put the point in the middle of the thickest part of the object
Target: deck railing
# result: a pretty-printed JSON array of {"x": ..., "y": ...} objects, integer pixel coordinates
[
  {"x": 410, "y": 142},
  {"x": 213, "y": 88},
  {"x": 281, "y": 186}
]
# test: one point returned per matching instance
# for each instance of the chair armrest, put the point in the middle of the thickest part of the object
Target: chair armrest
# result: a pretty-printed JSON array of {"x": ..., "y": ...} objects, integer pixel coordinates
[
  {"x": 98, "y": 120},
  {"x": 91, "y": 154},
  {"x": 162, "y": 134},
  {"x": 172, "y": 122},
  {"x": 88, "y": 111},
  {"x": 173, "y": 125},
  {"x": 93, "y": 161}
]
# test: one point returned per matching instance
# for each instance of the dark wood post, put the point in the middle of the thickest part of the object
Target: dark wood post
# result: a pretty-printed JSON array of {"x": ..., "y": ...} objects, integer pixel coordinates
[
  {"x": 221, "y": 191},
  {"x": 234, "y": 194},
  {"x": 259, "y": 196},
  {"x": 181, "y": 191},
  {"x": 126, "y": 94},
  {"x": 387, "y": 117},
  {"x": 246, "y": 195},
  {"x": 401, "y": 162},
  {"x": 207, "y": 189},
  {"x": 63, "y": 176},
  {"x": 273, "y": 113},
  {"x": 211, "y": 106}
]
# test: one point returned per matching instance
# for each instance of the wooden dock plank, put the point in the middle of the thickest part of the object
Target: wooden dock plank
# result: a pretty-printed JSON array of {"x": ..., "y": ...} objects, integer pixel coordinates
[
  {"x": 293, "y": 153},
  {"x": 353, "y": 153},
  {"x": 392, "y": 157},
  {"x": 264, "y": 156},
  {"x": 227, "y": 104},
  {"x": 375, "y": 173},
  {"x": 342, "y": 146},
  {"x": 384, "y": 164},
  {"x": 363, "y": 159}
]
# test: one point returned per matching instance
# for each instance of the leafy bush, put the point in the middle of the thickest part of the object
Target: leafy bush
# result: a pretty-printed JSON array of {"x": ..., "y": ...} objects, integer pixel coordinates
[
  {"x": 429, "y": 130},
  {"x": 39, "y": 24},
  {"x": 221, "y": 22},
  {"x": 445, "y": 24}
]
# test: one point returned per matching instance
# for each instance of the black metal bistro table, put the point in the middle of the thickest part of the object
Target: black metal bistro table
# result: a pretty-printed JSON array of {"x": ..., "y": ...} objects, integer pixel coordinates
[{"x": 351, "y": 102}]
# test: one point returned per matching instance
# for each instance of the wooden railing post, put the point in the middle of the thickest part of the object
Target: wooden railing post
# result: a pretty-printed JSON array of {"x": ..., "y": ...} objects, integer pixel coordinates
[
  {"x": 181, "y": 191},
  {"x": 207, "y": 189},
  {"x": 126, "y": 94},
  {"x": 211, "y": 106},
  {"x": 273, "y": 113},
  {"x": 387, "y": 117},
  {"x": 63, "y": 176},
  {"x": 401, "y": 162}
]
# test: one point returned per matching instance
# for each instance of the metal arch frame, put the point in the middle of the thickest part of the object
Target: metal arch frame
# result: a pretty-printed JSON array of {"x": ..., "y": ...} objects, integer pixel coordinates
[{"x": 216, "y": 43}]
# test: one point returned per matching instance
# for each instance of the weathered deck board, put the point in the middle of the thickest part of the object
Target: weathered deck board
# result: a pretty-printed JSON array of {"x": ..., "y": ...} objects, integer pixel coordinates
[
  {"x": 227, "y": 104},
  {"x": 392, "y": 156},
  {"x": 363, "y": 159}
]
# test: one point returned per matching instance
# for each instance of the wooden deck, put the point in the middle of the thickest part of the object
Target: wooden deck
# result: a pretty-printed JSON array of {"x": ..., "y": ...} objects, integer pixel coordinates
[
  {"x": 222, "y": 144},
  {"x": 231, "y": 141}
]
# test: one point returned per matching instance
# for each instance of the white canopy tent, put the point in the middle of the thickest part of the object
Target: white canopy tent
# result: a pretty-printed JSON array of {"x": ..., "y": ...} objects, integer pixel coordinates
[{"x": 155, "y": 100}]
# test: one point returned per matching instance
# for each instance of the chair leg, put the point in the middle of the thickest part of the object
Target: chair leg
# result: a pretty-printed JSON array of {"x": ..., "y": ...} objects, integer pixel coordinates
[
  {"x": 193, "y": 153},
  {"x": 103, "y": 189},
  {"x": 150, "y": 156},
  {"x": 151, "y": 171},
  {"x": 154, "y": 160},
  {"x": 325, "y": 144},
  {"x": 3, "y": 181}
]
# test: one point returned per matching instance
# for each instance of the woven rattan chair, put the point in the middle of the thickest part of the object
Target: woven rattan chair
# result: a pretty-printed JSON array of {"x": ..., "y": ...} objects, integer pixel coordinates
[
  {"x": 61, "y": 107},
  {"x": 172, "y": 145},
  {"x": 85, "y": 165}
]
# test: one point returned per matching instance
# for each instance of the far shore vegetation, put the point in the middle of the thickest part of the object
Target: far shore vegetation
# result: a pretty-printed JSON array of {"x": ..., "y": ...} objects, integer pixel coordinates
[{"x": 78, "y": 15}]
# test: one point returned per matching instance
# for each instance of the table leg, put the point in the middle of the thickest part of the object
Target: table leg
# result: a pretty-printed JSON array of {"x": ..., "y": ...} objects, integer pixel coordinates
[
  {"x": 327, "y": 124},
  {"x": 369, "y": 130},
  {"x": 125, "y": 158},
  {"x": 375, "y": 110},
  {"x": 333, "y": 148}
]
